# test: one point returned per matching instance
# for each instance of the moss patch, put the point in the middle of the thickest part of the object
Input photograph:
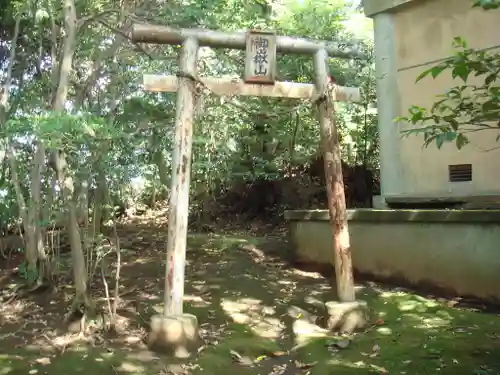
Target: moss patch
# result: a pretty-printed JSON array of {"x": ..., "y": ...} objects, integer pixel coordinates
[
  {"x": 248, "y": 304},
  {"x": 415, "y": 335}
]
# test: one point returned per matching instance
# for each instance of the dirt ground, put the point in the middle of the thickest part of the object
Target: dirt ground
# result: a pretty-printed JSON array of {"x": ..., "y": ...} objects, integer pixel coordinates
[{"x": 251, "y": 307}]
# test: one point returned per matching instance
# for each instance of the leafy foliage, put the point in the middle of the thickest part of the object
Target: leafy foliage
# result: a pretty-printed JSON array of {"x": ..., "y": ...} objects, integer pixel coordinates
[
  {"x": 465, "y": 108},
  {"x": 487, "y": 4},
  {"x": 113, "y": 132}
]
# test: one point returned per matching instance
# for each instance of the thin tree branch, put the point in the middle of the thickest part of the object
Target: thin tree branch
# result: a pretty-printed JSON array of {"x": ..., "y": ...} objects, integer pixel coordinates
[
  {"x": 5, "y": 89},
  {"x": 84, "y": 21},
  {"x": 126, "y": 35}
]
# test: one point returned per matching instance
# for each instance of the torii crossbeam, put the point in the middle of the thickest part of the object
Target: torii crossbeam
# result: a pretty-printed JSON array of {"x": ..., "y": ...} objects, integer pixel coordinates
[{"x": 235, "y": 87}]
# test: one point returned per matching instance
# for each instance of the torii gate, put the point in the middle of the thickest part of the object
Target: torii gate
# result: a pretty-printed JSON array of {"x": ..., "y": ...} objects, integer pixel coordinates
[{"x": 174, "y": 330}]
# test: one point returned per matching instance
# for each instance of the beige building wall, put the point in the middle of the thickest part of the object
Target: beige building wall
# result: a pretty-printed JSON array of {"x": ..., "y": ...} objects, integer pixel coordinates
[{"x": 424, "y": 33}]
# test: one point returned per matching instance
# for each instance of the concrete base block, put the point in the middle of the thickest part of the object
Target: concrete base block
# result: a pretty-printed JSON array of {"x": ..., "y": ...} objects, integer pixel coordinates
[
  {"x": 175, "y": 335},
  {"x": 347, "y": 317},
  {"x": 379, "y": 203}
]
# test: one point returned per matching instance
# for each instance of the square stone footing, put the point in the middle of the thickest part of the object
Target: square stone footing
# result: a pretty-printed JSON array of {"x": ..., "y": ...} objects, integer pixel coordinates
[
  {"x": 175, "y": 335},
  {"x": 346, "y": 317}
]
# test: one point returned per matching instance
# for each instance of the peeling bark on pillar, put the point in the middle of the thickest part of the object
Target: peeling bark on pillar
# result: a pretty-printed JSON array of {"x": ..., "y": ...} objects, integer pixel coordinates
[
  {"x": 181, "y": 171},
  {"x": 334, "y": 182}
]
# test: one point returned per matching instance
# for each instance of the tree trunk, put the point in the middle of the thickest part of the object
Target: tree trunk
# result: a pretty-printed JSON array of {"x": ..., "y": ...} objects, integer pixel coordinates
[
  {"x": 5, "y": 90},
  {"x": 101, "y": 195},
  {"x": 100, "y": 201},
  {"x": 59, "y": 162},
  {"x": 27, "y": 216},
  {"x": 159, "y": 159},
  {"x": 34, "y": 213},
  {"x": 29, "y": 231},
  {"x": 153, "y": 192},
  {"x": 51, "y": 192}
]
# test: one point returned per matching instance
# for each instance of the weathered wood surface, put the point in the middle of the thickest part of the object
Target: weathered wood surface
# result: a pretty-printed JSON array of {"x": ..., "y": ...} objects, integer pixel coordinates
[
  {"x": 260, "y": 57},
  {"x": 237, "y": 87},
  {"x": 158, "y": 34},
  {"x": 181, "y": 175},
  {"x": 334, "y": 183}
]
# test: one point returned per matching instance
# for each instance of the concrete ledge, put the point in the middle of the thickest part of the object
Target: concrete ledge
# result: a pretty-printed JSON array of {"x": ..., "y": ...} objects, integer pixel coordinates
[
  {"x": 487, "y": 197},
  {"x": 451, "y": 251},
  {"x": 401, "y": 216},
  {"x": 372, "y": 7}
]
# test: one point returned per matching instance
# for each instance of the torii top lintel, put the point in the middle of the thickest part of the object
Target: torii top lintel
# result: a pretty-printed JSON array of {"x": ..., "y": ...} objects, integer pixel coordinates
[{"x": 158, "y": 34}]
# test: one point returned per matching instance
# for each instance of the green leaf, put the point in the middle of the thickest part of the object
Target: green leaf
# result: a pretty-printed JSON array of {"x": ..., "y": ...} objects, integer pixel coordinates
[
  {"x": 434, "y": 71},
  {"x": 461, "y": 141},
  {"x": 453, "y": 123},
  {"x": 422, "y": 75},
  {"x": 436, "y": 119},
  {"x": 437, "y": 105},
  {"x": 428, "y": 140},
  {"x": 417, "y": 114},
  {"x": 461, "y": 70},
  {"x": 440, "y": 138},
  {"x": 450, "y": 136},
  {"x": 486, "y": 4},
  {"x": 491, "y": 78},
  {"x": 459, "y": 42},
  {"x": 491, "y": 106},
  {"x": 437, "y": 70}
]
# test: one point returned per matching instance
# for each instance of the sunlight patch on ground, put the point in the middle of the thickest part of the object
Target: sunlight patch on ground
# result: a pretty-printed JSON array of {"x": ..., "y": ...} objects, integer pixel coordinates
[
  {"x": 138, "y": 261},
  {"x": 434, "y": 322},
  {"x": 148, "y": 297},
  {"x": 305, "y": 332},
  {"x": 130, "y": 340},
  {"x": 392, "y": 294},
  {"x": 415, "y": 305},
  {"x": 131, "y": 368},
  {"x": 12, "y": 312},
  {"x": 386, "y": 331},
  {"x": 312, "y": 275},
  {"x": 257, "y": 316},
  {"x": 407, "y": 301},
  {"x": 196, "y": 301}
]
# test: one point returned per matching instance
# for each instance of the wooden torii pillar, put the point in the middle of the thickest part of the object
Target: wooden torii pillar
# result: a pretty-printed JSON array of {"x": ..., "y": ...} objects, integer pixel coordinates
[{"x": 321, "y": 93}]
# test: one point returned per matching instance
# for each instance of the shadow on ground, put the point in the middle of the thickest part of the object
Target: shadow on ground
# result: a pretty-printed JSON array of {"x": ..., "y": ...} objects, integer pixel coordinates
[{"x": 255, "y": 314}]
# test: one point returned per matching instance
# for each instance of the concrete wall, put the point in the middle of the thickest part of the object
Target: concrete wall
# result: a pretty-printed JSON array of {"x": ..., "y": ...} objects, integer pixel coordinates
[
  {"x": 425, "y": 30},
  {"x": 457, "y": 251},
  {"x": 423, "y": 34}
]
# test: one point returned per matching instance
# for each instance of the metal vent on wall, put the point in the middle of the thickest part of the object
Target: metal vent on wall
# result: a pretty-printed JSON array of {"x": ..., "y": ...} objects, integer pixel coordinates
[{"x": 460, "y": 172}]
